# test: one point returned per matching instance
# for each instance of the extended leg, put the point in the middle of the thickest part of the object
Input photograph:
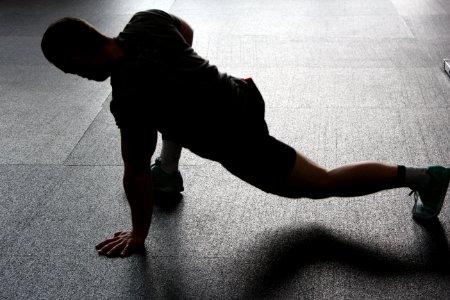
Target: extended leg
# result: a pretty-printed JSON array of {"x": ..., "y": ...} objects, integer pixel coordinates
[{"x": 310, "y": 180}]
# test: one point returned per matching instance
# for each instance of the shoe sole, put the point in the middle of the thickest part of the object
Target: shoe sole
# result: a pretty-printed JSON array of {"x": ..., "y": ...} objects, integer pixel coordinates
[{"x": 441, "y": 203}]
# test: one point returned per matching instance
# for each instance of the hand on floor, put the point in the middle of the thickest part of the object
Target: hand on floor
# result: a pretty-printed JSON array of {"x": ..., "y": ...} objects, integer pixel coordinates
[{"x": 123, "y": 243}]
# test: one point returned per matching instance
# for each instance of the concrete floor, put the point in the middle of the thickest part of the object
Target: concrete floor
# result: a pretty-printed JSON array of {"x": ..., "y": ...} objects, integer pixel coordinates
[{"x": 343, "y": 80}]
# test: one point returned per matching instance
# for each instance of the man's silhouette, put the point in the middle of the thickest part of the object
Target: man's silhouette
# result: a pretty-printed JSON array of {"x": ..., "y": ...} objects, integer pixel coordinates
[{"x": 160, "y": 84}]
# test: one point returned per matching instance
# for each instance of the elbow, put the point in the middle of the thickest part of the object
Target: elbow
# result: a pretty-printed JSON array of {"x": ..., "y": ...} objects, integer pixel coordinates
[
  {"x": 187, "y": 32},
  {"x": 189, "y": 37},
  {"x": 191, "y": 34}
]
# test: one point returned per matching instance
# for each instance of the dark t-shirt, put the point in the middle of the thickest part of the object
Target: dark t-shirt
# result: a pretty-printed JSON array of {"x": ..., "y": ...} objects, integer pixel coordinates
[{"x": 163, "y": 84}]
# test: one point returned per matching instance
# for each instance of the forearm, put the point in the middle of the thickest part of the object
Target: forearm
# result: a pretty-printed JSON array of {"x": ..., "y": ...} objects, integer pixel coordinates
[{"x": 138, "y": 189}]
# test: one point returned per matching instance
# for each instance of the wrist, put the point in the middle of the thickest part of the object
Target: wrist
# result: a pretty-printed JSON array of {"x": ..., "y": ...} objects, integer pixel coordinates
[{"x": 139, "y": 233}]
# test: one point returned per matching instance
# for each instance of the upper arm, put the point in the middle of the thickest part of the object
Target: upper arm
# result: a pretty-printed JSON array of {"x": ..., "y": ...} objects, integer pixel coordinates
[{"x": 137, "y": 150}]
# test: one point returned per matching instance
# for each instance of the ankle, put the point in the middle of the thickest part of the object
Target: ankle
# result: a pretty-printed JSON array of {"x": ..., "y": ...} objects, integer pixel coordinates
[
  {"x": 169, "y": 167},
  {"x": 416, "y": 178}
]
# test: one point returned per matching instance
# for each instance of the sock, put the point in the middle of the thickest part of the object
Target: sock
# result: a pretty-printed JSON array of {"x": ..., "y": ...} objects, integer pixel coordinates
[
  {"x": 414, "y": 178},
  {"x": 170, "y": 156}
]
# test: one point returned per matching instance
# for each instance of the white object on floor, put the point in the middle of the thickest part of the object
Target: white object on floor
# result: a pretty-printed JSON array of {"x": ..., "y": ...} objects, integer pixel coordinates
[{"x": 447, "y": 66}]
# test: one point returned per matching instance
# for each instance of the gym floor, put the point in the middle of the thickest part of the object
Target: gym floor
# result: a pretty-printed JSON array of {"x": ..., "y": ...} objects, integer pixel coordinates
[{"x": 343, "y": 81}]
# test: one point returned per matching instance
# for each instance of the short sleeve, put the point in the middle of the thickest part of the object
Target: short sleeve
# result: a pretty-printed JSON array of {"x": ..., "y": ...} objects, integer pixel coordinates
[{"x": 164, "y": 17}]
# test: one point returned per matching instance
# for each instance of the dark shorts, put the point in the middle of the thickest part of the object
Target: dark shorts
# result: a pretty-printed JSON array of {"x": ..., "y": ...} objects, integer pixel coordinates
[
  {"x": 249, "y": 151},
  {"x": 256, "y": 157}
]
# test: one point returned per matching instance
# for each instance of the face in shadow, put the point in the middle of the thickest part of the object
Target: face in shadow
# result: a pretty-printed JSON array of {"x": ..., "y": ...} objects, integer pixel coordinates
[{"x": 90, "y": 67}]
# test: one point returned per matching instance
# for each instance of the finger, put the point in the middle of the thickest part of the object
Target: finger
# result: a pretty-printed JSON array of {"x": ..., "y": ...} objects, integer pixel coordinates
[
  {"x": 100, "y": 245},
  {"x": 117, "y": 233},
  {"x": 109, "y": 246},
  {"x": 125, "y": 250},
  {"x": 116, "y": 249}
]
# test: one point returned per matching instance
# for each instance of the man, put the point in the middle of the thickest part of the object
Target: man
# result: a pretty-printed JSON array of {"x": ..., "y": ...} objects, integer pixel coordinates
[{"x": 160, "y": 84}]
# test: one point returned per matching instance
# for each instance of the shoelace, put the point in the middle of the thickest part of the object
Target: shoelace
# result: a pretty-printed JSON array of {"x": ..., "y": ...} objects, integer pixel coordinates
[
  {"x": 423, "y": 207},
  {"x": 416, "y": 195},
  {"x": 155, "y": 163}
]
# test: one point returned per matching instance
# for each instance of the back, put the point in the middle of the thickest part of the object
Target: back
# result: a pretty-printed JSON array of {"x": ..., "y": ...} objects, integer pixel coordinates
[{"x": 164, "y": 84}]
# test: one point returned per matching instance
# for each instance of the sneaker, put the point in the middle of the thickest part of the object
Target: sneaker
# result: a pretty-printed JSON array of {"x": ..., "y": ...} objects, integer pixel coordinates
[
  {"x": 429, "y": 200},
  {"x": 168, "y": 183}
]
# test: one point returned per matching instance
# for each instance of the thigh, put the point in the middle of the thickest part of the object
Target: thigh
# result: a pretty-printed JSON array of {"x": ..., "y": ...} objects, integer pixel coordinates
[
  {"x": 264, "y": 163},
  {"x": 307, "y": 179}
]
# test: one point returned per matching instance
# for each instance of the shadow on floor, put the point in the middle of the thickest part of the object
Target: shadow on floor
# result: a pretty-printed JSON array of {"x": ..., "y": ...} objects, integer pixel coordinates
[
  {"x": 167, "y": 202},
  {"x": 294, "y": 250},
  {"x": 281, "y": 257}
]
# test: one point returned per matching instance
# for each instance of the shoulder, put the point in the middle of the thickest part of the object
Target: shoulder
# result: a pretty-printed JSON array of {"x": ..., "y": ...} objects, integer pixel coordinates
[
  {"x": 154, "y": 27},
  {"x": 157, "y": 17}
]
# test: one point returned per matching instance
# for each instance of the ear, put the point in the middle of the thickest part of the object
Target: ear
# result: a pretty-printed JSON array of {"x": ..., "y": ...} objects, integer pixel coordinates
[{"x": 85, "y": 59}]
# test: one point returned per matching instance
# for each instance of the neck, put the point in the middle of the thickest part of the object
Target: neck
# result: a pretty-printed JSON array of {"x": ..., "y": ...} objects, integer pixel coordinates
[{"x": 113, "y": 50}]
